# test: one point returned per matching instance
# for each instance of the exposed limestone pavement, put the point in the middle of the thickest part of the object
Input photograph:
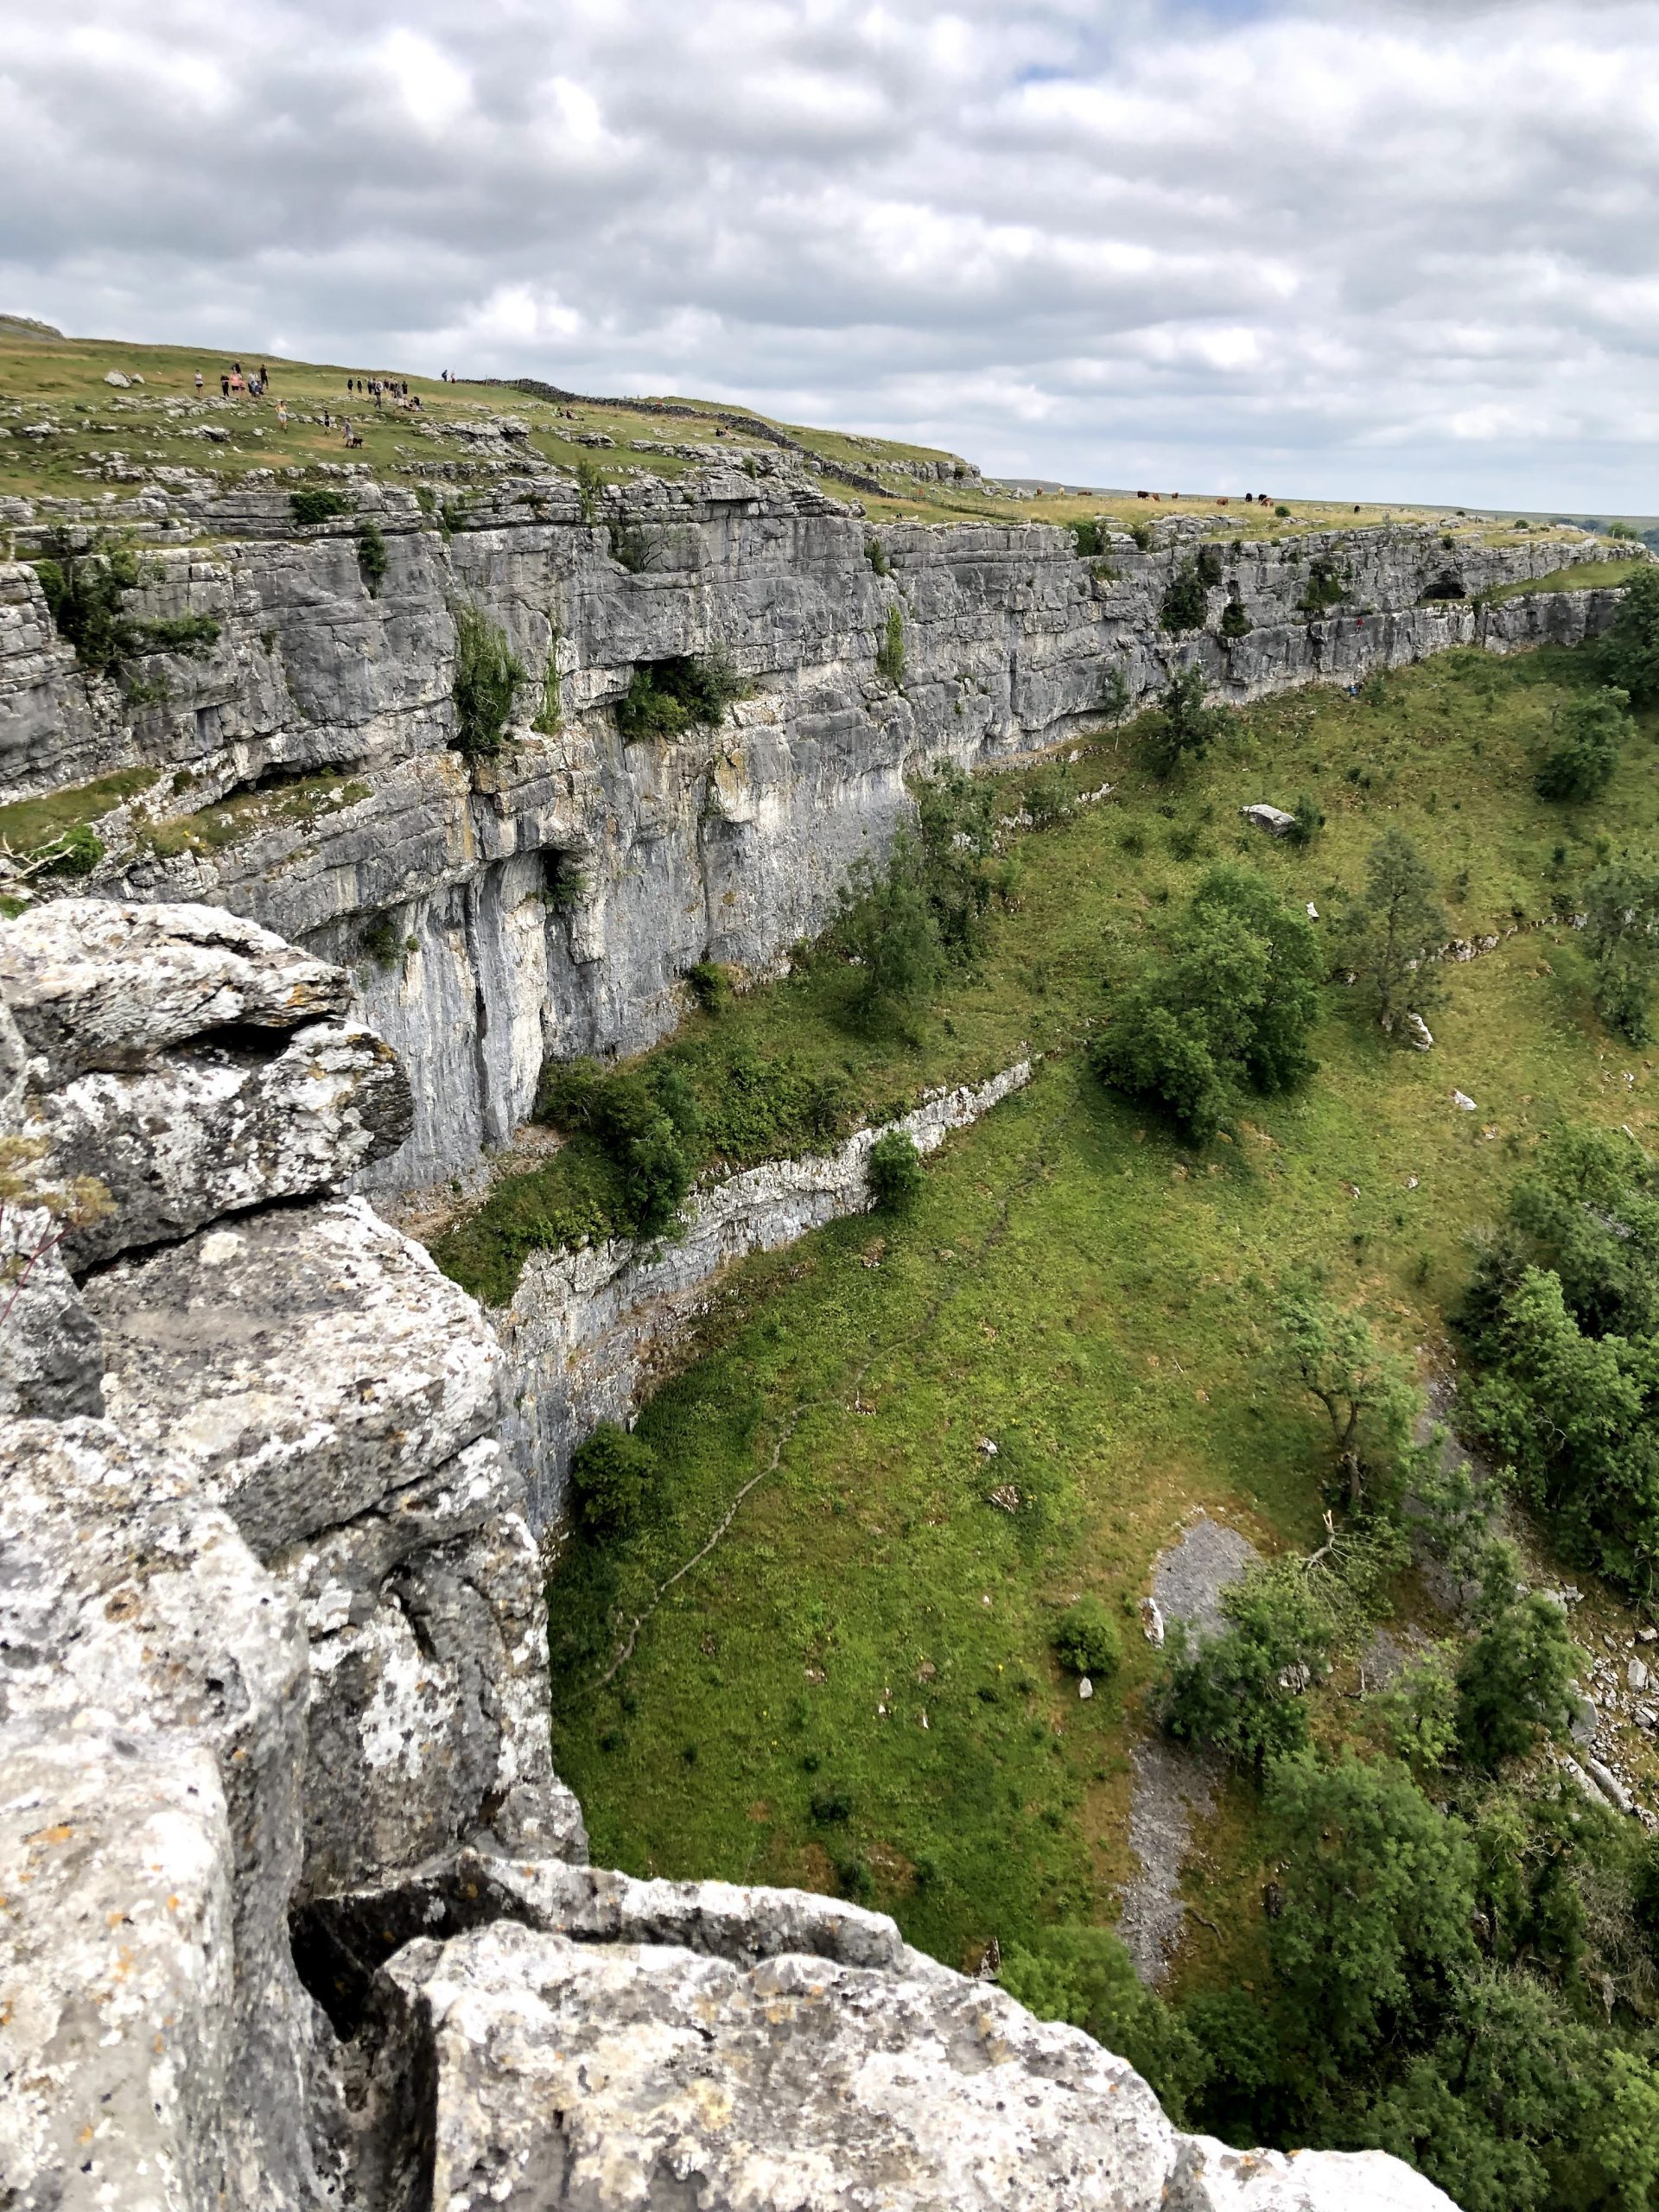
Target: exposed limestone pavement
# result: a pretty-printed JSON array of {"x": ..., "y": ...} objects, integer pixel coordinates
[{"x": 292, "y": 1908}]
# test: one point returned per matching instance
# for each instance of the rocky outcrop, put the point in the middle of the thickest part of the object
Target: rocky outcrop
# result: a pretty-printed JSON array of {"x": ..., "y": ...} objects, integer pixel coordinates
[
  {"x": 292, "y": 1911},
  {"x": 548, "y": 900},
  {"x": 589, "y": 1330}
]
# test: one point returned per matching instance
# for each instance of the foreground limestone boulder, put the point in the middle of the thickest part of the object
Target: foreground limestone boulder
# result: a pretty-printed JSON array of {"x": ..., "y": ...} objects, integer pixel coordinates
[
  {"x": 220, "y": 1128},
  {"x": 320, "y": 1379},
  {"x": 152, "y": 1732},
  {"x": 599, "y": 2078},
  {"x": 95, "y": 983}
]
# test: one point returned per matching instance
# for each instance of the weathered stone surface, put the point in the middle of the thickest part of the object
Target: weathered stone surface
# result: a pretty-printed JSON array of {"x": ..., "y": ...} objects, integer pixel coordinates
[
  {"x": 322, "y": 1380},
  {"x": 51, "y": 1355},
  {"x": 218, "y": 1128},
  {"x": 117, "y": 2029},
  {"x": 428, "y": 1719},
  {"x": 93, "y": 983},
  {"x": 133, "y": 1616},
  {"x": 586, "y": 1329},
  {"x": 617, "y": 2075},
  {"x": 302, "y": 1363}
]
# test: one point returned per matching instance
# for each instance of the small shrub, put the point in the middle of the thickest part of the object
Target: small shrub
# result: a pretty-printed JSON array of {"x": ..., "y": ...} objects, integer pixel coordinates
[
  {"x": 313, "y": 505},
  {"x": 1325, "y": 588},
  {"x": 1047, "y": 799},
  {"x": 192, "y": 635},
  {"x": 611, "y": 1476},
  {"x": 590, "y": 483},
  {"x": 75, "y": 851},
  {"x": 1583, "y": 765},
  {"x": 1087, "y": 538},
  {"x": 890, "y": 653},
  {"x": 631, "y": 547},
  {"x": 1086, "y": 1640},
  {"x": 1234, "y": 621},
  {"x": 895, "y": 1171},
  {"x": 84, "y": 592},
  {"x": 487, "y": 679},
  {"x": 1141, "y": 533},
  {"x": 1208, "y": 565},
  {"x": 549, "y": 714},
  {"x": 832, "y": 1808},
  {"x": 1282, "y": 512},
  {"x": 711, "y": 986},
  {"x": 371, "y": 556},
  {"x": 382, "y": 941},
  {"x": 876, "y": 554},
  {"x": 1185, "y": 726},
  {"x": 1307, "y": 821},
  {"x": 1184, "y": 604},
  {"x": 666, "y": 698}
]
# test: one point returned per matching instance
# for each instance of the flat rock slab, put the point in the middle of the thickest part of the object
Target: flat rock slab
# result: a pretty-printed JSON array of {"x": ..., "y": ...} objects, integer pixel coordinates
[
  {"x": 302, "y": 1363},
  {"x": 95, "y": 983}
]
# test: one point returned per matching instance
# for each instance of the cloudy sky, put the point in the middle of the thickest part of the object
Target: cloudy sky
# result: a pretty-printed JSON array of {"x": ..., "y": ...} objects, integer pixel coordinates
[{"x": 1376, "y": 249}]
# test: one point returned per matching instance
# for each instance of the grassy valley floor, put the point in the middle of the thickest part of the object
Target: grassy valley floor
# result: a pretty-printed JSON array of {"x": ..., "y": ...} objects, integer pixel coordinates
[{"x": 854, "y": 1689}]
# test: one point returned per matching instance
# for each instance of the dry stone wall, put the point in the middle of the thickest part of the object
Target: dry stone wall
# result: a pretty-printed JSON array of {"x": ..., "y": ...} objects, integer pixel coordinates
[{"x": 547, "y": 902}]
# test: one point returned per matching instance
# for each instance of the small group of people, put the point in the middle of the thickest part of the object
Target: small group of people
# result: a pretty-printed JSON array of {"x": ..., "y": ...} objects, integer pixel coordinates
[
  {"x": 380, "y": 388},
  {"x": 233, "y": 383}
]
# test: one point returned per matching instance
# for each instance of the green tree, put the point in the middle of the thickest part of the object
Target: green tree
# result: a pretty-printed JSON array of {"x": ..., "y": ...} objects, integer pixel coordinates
[
  {"x": 1592, "y": 731},
  {"x": 1185, "y": 727},
  {"x": 1373, "y": 1936},
  {"x": 1085, "y": 1639},
  {"x": 611, "y": 1477},
  {"x": 895, "y": 1172},
  {"x": 956, "y": 829},
  {"x": 1392, "y": 930},
  {"x": 1230, "y": 998},
  {"x": 1084, "y": 1976},
  {"x": 1515, "y": 1681},
  {"x": 1243, "y": 1692},
  {"x": 1571, "y": 1413},
  {"x": 1234, "y": 621},
  {"x": 1621, "y": 934},
  {"x": 890, "y": 653},
  {"x": 1629, "y": 652},
  {"x": 888, "y": 927},
  {"x": 1367, "y": 1394}
]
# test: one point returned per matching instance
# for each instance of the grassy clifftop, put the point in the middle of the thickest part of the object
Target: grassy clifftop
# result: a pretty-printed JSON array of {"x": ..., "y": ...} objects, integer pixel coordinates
[{"x": 65, "y": 432}]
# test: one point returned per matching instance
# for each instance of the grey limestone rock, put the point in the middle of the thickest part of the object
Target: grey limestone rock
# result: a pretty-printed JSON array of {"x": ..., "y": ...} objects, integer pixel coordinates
[
  {"x": 154, "y": 1692},
  {"x": 621, "y": 2075},
  {"x": 51, "y": 1355},
  {"x": 318, "y": 1377},
  {"x": 302, "y": 1363},
  {"x": 428, "y": 1719},
  {"x": 218, "y": 1128},
  {"x": 93, "y": 983},
  {"x": 555, "y": 896}
]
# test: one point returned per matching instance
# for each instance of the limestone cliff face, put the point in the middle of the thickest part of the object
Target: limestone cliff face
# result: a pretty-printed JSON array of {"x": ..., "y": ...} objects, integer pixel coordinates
[
  {"x": 548, "y": 902},
  {"x": 296, "y": 1913}
]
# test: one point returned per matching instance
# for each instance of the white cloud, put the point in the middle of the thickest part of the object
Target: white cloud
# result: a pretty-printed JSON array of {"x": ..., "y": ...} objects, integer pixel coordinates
[{"x": 1371, "y": 247}]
